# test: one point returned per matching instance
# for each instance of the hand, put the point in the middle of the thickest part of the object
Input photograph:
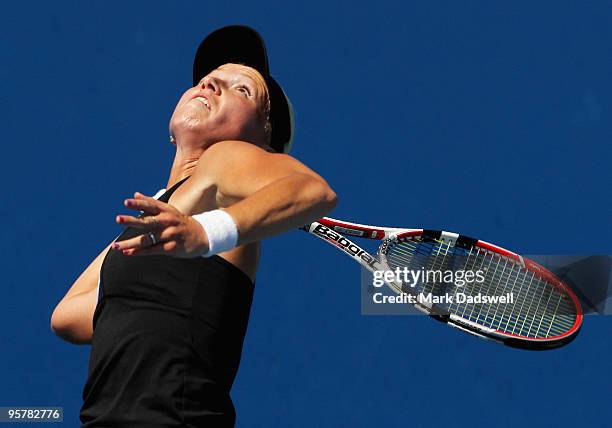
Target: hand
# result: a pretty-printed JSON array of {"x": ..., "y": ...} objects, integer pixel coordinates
[{"x": 166, "y": 231}]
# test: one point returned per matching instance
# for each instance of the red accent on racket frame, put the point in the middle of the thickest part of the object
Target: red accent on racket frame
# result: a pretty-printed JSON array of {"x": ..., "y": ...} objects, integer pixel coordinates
[{"x": 368, "y": 232}]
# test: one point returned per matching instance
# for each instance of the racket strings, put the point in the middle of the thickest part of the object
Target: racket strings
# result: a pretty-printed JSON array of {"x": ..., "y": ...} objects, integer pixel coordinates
[{"x": 538, "y": 309}]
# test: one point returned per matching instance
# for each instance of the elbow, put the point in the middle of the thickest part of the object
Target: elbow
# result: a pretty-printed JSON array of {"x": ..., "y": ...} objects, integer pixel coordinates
[
  {"x": 69, "y": 335},
  {"x": 330, "y": 199},
  {"x": 63, "y": 328},
  {"x": 323, "y": 197},
  {"x": 58, "y": 324}
]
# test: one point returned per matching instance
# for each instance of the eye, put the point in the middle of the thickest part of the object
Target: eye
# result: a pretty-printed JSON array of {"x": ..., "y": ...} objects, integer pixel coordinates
[{"x": 245, "y": 90}]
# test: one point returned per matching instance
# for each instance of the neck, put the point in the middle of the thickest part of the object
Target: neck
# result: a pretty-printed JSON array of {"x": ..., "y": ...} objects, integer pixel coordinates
[{"x": 184, "y": 164}]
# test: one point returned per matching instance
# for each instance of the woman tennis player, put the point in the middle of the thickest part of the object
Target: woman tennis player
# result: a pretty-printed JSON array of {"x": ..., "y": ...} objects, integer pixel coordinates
[{"x": 166, "y": 305}]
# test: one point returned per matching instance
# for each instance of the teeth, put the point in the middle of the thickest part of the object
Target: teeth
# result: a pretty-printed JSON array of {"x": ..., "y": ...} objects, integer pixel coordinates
[{"x": 204, "y": 101}]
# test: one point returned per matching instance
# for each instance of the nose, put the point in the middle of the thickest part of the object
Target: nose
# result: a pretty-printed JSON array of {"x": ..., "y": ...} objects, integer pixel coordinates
[{"x": 210, "y": 83}]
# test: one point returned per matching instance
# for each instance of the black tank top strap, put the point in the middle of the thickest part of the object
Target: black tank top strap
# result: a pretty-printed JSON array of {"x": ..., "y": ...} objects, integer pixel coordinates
[{"x": 166, "y": 196}]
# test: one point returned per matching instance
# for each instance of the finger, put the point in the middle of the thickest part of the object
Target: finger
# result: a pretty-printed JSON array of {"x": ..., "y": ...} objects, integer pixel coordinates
[
  {"x": 140, "y": 241},
  {"x": 161, "y": 205},
  {"x": 163, "y": 248},
  {"x": 147, "y": 222},
  {"x": 144, "y": 197},
  {"x": 143, "y": 205},
  {"x": 130, "y": 221},
  {"x": 148, "y": 240}
]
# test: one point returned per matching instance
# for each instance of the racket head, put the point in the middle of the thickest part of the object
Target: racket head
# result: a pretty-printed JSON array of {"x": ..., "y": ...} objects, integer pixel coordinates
[{"x": 544, "y": 312}]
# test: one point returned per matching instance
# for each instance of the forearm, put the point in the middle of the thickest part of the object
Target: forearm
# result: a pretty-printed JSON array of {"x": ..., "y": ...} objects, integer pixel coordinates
[{"x": 282, "y": 205}]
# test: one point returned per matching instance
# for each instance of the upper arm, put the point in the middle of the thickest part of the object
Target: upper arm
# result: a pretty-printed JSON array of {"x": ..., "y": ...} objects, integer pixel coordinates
[
  {"x": 238, "y": 169},
  {"x": 72, "y": 318},
  {"x": 88, "y": 280}
]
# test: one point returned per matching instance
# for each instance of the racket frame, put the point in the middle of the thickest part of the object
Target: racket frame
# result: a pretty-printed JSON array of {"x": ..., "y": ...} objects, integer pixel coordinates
[{"x": 335, "y": 233}]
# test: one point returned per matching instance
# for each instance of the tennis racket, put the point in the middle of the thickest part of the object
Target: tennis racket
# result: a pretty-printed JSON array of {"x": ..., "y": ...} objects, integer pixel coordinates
[{"x": 541, "y": 312}]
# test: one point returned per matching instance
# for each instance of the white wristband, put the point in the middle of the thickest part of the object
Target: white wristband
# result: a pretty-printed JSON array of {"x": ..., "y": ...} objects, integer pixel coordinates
[{"x": 221, "y": 230}]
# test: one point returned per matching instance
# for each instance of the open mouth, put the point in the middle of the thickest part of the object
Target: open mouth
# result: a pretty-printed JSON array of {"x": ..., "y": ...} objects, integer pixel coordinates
[{"x": 204, "y": 101}]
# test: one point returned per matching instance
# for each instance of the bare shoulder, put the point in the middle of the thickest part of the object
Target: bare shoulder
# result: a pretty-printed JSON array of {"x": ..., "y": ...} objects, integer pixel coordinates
[
  {"x": 237, "y": 169},
  {"x": 226, "y": 156}
]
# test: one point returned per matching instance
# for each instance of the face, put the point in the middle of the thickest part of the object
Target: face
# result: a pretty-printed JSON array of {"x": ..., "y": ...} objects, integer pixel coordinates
[{"x": 227, "y": 104}]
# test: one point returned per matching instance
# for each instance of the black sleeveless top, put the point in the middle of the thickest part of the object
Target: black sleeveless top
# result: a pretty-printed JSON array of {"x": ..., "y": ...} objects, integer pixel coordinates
[{"x": 167, "y": 340}]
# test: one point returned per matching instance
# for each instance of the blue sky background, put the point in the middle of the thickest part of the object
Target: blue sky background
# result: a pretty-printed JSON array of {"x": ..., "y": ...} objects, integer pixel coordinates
[{"x": 487, "y": 119}]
